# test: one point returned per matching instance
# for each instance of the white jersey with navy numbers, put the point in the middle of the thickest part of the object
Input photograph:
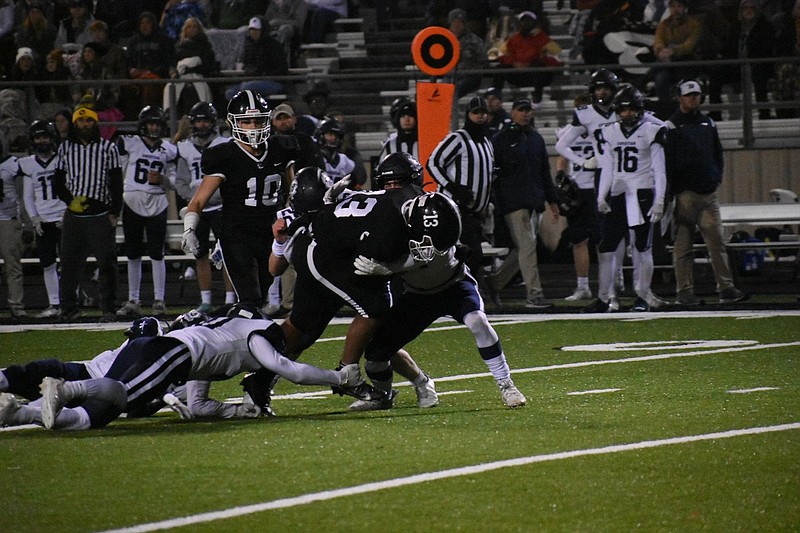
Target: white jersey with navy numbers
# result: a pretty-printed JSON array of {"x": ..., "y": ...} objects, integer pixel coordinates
[
  {"x": 341, "y": 167},
  {"x": 632, "y": 160},
  {"x": 9, "y": 205},
  {"x": 189, "y": 171},
  {"x": 39, "y": 196},
  {"x": 584, "y": 145},
  {"x": 142, "y": 197}
]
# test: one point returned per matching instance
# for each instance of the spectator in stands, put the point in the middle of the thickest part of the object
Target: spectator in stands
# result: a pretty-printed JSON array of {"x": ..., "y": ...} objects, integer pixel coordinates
[
  {"x": 286, "y": 21},
  {"x": 7, "y": 45},
  {"x": 75, "y": 28},
  {"x": 63, "y": 121},
  {"x": 477, "y": 12},
  {"x": 233, "y": 14},
  {"x": 11, "y": 236},
  {"x": 675, "y": 40},
  {"x": 176, "y": 13},
  {"x": 317, "y": 100},
  {"x": 55, "y": 70},
  {"x": 262, "y": 56},
  {"x": 523, "y": 188},
  {"x": 752, "y": 37},
  {"x": 403, "y": 115},
  {"x": 44, "y": 209},
  {"x": 24, "y": 68},
  {"x": 110, "y": 54},
  {"x": 472, "y": 55},
  {"x": 694, "y": 172},
  {"x": 120, "y": 16},
  {"x": 321, "y": 15},
  {"x": 91, "y": 70},
  {"x": 498, "y": 117},
  {"x": 530, "y": 46},
  {"x": 37, "y": 33},
  {"x": 195, "y": 58},
  {"x": 149, "y": 54}
]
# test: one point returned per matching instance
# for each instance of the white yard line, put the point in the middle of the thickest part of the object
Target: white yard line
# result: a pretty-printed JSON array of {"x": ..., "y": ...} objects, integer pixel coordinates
[
  {"x": 595, "y": 391},
  {"x": 756, "y": 389},
  {"x": 425, "y": 477}
]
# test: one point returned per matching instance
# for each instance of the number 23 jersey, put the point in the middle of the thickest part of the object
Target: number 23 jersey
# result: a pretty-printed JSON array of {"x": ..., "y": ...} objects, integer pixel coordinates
[{"x": 251, "y": 185}]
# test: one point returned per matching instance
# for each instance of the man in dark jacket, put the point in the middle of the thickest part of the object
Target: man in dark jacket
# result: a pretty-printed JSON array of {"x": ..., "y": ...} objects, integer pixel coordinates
[
  {"x": 694, "y": 171},
  {"x": 522, "y": 186},
  {"x": 261, "y": 56},
  {"x": 149, "y": 54}
]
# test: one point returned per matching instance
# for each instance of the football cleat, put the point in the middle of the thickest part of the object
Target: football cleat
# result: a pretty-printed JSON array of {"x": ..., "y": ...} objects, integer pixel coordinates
[
  {"x": 426, "y": 394},
  {"x": 512, "y": 397},
  {"x": 54, "y": 398},
  {"x": 381, "y": 404},
  {"x": 8, "y": 407},
  {"x": 579, "y": 294},
  {"x": 259, "y": 386}
]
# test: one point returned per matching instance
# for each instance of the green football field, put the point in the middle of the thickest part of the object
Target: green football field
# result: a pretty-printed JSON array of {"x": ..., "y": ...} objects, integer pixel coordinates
[{"x": 648, "y": 422}]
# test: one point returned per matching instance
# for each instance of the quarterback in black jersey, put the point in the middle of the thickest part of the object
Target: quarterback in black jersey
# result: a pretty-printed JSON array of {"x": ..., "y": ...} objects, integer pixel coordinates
[{"x": 251, "y": 174}]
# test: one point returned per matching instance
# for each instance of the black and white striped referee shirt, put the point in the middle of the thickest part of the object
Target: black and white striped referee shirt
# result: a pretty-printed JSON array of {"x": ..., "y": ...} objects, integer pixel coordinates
[
  {"x": 461, "y": 160},
  {"x": 87, "y": 168},
  {"x": 399, "y": 143}
]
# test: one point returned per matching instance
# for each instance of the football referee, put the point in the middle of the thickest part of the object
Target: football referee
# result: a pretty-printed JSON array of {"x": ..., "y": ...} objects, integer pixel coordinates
[
  {"x": 462, "y": 166},
  {"x": 88, "y": 178}
]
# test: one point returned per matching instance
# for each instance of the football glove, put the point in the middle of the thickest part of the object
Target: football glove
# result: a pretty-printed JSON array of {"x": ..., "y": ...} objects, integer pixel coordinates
[
  {"x": 178, "y": 406},
  {"x": 37, "y": 225},
  {"x": 369, "y": 267},
  {"x": 332, "y": 194},
  {"x": 190, "y": 243},
  {"x": 656, "y": 212},
  {"x": 590, "y": 164},
  {"x": 247, "y": 409}
]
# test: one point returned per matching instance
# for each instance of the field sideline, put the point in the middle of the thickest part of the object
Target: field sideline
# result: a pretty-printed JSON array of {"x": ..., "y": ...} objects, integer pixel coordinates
[{"x": 658, "y": 421}]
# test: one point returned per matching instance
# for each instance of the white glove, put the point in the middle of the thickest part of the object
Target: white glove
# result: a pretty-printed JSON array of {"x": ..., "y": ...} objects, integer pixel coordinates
[
  {"x": 590, "y": 164},
  {"x": 178, "y": 406},
  {"x": 248, "y": 410},
  {"x": 37, "y": 225},
  {"x": 603, "y": 207},
  {"x": 351, "y": 375},
  {"x": 332, "y": 194},
  {"x": 190, "y": 243},
  {"x": 656, "y": 212},
  {"x": 369, "y": 267}
]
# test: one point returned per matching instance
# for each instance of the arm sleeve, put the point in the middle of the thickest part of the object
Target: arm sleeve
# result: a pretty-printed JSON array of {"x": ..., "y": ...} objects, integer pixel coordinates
[
  {"x": 303, "y": 374},
  {"x": 60, "y": 186},
  {"x": 659, "y": 171},
  {"x": 571, "y": 133},
  {"x": 606, "y": 160},
  {"x": 441, "y": 157},
  {"x": 202, "y": 406},
  {"x": 115, "y": 188},
  {"x": 28, "y": 198}
]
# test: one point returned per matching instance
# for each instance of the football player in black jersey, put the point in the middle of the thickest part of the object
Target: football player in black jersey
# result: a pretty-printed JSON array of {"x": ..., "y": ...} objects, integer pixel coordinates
[{"x": 251, "y": 174}]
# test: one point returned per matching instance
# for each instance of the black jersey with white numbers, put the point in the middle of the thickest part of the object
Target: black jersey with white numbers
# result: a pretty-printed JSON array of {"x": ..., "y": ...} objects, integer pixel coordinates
[{"x": 251, "y": 185}]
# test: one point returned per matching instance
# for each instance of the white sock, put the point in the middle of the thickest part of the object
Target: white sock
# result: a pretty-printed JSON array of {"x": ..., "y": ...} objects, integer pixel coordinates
[
  {"x": 134, "y": 278},
  {"x": 583, "y": 283},
  {"x": 230, "y": 297},
  {"x": 419, "y": 380},
  {"x": 159, "y": 278},
  {"x": 205, "y": 297},
  {"x": 50, "y": 274},
  {"x": 498, "y": 367},
  {"x": 3, "y": 382},
  {"x": 73, "y": 419}
]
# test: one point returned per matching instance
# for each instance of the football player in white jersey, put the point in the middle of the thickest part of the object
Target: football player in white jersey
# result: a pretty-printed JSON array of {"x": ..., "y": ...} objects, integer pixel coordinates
[
  {"x": 329, "y": 135},
  {"x": 213, "y": 350},
  {"x": 44, "y": 208},
  {"x": 631, "y": 193},
  {"x": 150, "y": 162},
  {"x": 188, "y": 177}
]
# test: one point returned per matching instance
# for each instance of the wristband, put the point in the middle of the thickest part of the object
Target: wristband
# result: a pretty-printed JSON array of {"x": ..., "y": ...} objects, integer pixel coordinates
[{"x": 278, "y": 248}]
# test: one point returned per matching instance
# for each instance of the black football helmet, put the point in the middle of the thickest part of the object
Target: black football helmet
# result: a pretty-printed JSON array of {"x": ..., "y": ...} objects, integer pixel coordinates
[
  {"x": 203, "y": 111},
  {"x": 400, "y": 107},
  {"x": 629, "y": 97},
  {"x": 249, "y": 104},
  {"x": 603, "y": 78},
  {"x": 39, "y": 129},
  {"x": 434, "y": 225},
  {"x": 150, "y": 114},
  {"x": 329, "y": 125},
  {"x": 399, "y": 166},
  {"x": 245, "y": 310},
  {"x": 307, "y": 191},
  {"x": 147, "y": 326}
]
